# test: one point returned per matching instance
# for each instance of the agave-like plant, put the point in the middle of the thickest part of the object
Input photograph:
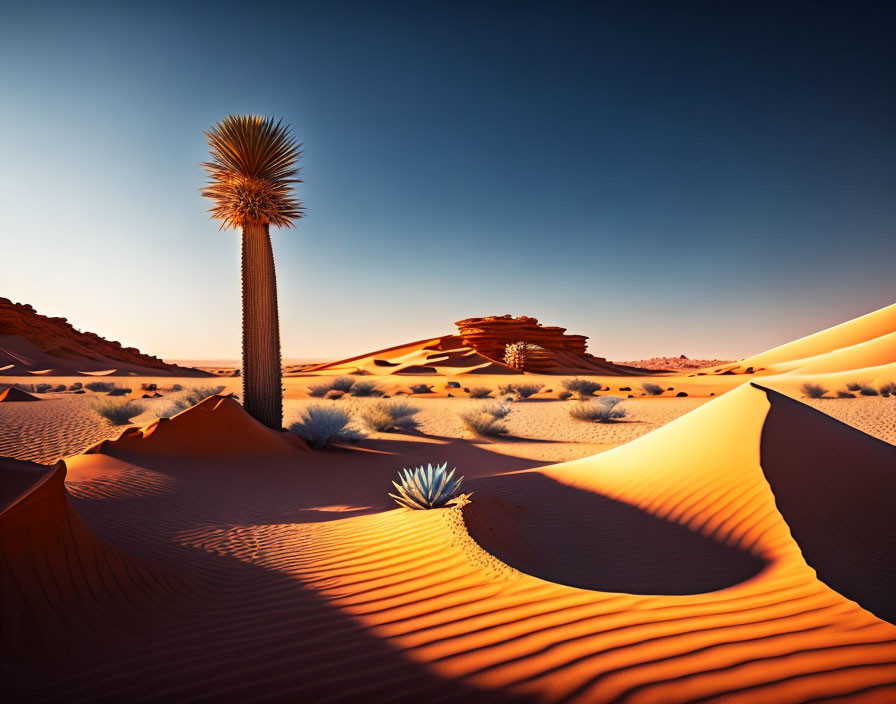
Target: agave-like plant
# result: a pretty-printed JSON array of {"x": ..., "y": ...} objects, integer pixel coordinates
[
  {"x": 252, "y": 171},
  {"x": 427, "y": 487}
]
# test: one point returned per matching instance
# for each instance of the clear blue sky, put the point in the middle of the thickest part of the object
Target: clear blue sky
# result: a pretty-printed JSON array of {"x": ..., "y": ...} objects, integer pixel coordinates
[{"x": 709, "y": 179}]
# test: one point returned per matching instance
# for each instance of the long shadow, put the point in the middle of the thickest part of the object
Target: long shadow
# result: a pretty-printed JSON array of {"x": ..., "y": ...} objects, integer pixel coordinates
[
  {"x": 276, "y": 639},
  {"x": 836, "y": 488},
  {"x": 587, "y": 540}
]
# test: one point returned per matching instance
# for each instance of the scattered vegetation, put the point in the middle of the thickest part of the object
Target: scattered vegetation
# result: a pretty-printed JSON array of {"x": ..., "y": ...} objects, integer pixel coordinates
[
  {"x": 888, "y": 389},
  {"x": 177, "y": 387},
  {"x": 487, "y": 418},
  {"x": 59, "y": 388},
  {"x": 42, "y": 388},
  {"x": 479, "y": 392},
  {"x": 845, "y": 394},
  {"x": 334, "y": 394},
  {"x": 813, "y": 390},
  {"x": 320, "y": 390},
  {"x": 421, "y": 389},
  {"x": 855, "y": 386},
  {"x": 385, "y": 416},
  {"x": 652, "y": 389},
  {"x": 582, "y": 387},
  {"x": 118, "y": 412},
  {"x": 868, "y": 390},
  {"x": 364, "y": 388},
  {"x": 188, "y": 400},
  {"x": 320, "y": 426},
  {"x": 429, "y": 487},
  {"x": 149, "y": 387},
  {"x": 77, "y": 386},
  {"x": 119, "y": 391},
  {"x": 602, "y": 410},
  {"x": 563, "y": 395}
]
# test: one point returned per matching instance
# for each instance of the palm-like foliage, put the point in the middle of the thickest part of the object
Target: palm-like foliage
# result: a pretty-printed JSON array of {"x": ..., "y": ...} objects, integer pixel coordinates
[
  {"x": 253, "y": 167},
  {"x": 427, "y": 487},
  {"x": 252, "y": 171}
]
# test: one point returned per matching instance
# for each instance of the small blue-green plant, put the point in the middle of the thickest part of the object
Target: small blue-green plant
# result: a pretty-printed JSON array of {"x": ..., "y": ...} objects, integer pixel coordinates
[
  {"x": 342, "y": 383},
  {"x": 427, "y": 487},
  {"x": 321, "y": 425}
]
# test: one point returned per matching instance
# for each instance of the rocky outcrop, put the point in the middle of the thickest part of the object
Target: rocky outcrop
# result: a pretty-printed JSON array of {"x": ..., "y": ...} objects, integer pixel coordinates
[
  {"x": 57, "y": 341},
  {"x": 549, "y": 350}
]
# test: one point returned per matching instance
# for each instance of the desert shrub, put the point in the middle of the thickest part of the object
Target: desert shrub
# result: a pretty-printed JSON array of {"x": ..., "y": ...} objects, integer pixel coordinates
[
  {"x": 486, "y": 419},
  {"x": 652, "y": 389},
  {"x": 582, "y": 387},
  {"x": 425, "y": 488},
  {"x": 320, "y": 426},
  {"x": 119, "y": 391},
  {"x": 813, "y": 390},
  {"x": 99, "y": 386},
  {"x": 868, "y": 391},
  {"x": 320, "y": 390},
  {"x": 77, "y": 386},
  {"x": 888, "y": 389},
  {"x": 384, "y": 416},
  {"x": 855, "y": 386},
  {"x": 453, "y": 384},
  {"x": 191, "y": 398},
  {"x": 149, "y": 387},
  {"x": 364, "y": 388},
  {"x": 59, "y": 388},
  {"x": 334, "y": 394},
  {"x": 563, "y": 395},
  {"x": 845, "y": 394},
  {"x": 42, "y": 388},
  {"x": 479, "y": 392},
  {"x": 602, "y": 410},
  {"x": 177, "y": 387},
  {"x": 118, "y": 412},
  {"x": 421, "y": 389},
  {"x": 521, "y": 390},
  {"x": 343, "y": 383}
]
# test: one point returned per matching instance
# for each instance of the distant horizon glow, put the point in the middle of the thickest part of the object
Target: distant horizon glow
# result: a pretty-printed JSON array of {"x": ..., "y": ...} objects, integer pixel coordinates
[{"x": 708, "y": 180}]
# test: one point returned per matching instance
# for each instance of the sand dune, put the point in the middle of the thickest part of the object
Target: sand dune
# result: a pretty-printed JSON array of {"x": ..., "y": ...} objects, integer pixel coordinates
[
  {"x": 867, "y": 341},
  {"x": 664, "y": 570},
  {"x": 14, "y": 395},
  {"x": 60, "y": 583}
]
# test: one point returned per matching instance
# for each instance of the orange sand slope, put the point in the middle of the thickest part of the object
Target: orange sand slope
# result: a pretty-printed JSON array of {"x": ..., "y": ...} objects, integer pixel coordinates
[
  {"x": 665, "y": 570},
  {"x": 217, "y": 426},
  {"x": 865, "y": 342},
  {"x": 56, "y": 576}
]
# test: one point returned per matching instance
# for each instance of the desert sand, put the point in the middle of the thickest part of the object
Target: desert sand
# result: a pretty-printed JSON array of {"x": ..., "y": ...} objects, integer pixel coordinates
[{"x": 734, "y": 544}]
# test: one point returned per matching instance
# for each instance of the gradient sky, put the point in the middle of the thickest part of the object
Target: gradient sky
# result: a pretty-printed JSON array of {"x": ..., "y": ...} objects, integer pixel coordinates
[{"x": 709, "y": 179}]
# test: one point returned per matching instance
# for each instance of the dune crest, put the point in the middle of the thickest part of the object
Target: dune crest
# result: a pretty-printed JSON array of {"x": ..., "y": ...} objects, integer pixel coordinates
[
  {"x": 59, "y": 580},
  {"x": 217, "y": 426}
]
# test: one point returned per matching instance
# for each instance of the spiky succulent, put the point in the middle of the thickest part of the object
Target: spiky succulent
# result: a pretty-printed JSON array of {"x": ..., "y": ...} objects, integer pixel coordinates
[
  {"x": 252, "y": 171},
  {"x": 427, "y": 487}
]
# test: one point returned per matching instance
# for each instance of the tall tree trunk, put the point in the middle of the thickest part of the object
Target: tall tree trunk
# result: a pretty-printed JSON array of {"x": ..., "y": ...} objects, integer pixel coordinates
[{"x": 262, "y": 390}]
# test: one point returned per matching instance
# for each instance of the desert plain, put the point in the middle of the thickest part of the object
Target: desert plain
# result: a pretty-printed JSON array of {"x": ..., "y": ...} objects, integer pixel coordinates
[{"x": 729, "y": 539}]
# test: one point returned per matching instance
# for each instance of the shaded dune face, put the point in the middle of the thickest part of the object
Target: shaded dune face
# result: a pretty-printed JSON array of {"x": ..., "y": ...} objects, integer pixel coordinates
[
  {"x": 836, "y": 488},
  {"x": 587, "y": 540}
]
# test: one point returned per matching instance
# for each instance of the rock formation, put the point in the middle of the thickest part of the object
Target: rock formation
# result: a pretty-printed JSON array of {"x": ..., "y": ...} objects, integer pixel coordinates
[{"x": 30, "y": 342}]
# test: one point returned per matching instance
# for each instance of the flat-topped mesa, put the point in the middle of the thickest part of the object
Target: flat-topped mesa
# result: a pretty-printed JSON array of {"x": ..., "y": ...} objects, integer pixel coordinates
[{"x": 491, "y": 335}]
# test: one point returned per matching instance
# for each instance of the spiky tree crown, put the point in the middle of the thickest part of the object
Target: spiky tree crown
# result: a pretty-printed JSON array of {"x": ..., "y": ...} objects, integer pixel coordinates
[{"x": 254, "y": 164}]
